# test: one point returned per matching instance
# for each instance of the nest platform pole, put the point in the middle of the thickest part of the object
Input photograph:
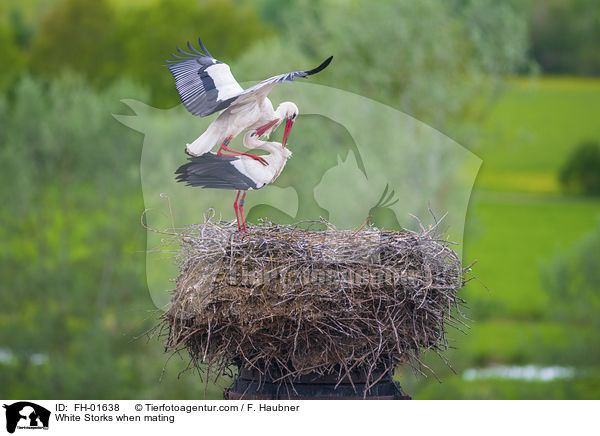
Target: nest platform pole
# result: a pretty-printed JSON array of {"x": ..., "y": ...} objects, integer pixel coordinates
[{"x": 251, "y": 385}]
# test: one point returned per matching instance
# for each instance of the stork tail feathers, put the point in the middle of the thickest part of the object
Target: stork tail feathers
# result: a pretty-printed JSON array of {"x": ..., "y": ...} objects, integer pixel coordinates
[
  {"x": 204, "y": 143},
  {"x": 213, "y": 171}
]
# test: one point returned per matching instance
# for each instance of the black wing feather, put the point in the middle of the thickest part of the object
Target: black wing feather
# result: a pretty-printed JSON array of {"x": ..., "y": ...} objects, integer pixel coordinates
[
  {"x": 197, "y": 88},
  {"x": 204, "y": 48},
  {"x": 194, "y": 84},
  {"x": 267, "y": 84},
  {"x": 213, "y": 171}
]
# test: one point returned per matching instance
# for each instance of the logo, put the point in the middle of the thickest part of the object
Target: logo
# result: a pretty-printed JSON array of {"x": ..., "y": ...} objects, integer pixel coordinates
[
  {"x": 26, "y": 415},
  {"x": 355, "y": 162}
]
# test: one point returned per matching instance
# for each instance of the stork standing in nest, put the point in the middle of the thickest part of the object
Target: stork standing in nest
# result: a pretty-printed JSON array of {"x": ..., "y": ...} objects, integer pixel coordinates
[
  {"x": 241, "y": 173},
  {"x": 206, "y": 86}
]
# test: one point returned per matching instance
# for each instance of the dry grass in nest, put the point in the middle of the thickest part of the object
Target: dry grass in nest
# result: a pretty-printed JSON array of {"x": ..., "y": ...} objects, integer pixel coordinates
[{"x": 287, "y": 301}]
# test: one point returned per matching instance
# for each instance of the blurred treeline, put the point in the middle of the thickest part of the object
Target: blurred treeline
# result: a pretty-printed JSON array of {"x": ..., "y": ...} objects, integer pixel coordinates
[
  {"x": 73, "y": 290},
  {"x": 106, "y": 40}
]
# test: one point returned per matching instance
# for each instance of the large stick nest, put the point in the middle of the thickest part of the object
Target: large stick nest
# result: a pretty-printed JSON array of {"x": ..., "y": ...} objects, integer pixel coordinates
[{"x": 287, "y": 301}]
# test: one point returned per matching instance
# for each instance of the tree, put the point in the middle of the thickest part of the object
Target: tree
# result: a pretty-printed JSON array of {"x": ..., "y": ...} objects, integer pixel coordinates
[
  {"x": 77, "y": 35},
  {"x": 104, "y": 44},
  {"x": 565, "y": 36},
  {"x": 439, "y": 61},
  {"x": 149, "y": 35},
  {"x": 581, "y": 171},
  {"x": 11, "y": 59}
]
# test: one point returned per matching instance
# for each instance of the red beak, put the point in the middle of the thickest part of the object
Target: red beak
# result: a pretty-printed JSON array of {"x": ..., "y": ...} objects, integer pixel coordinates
[{"x": 286, "y": 132}]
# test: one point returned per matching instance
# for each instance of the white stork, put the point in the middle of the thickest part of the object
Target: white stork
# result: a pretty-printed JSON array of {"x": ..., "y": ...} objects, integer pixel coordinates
[
  {"x": 241, "y": 173},
  {"x": 206, "y": 86}
]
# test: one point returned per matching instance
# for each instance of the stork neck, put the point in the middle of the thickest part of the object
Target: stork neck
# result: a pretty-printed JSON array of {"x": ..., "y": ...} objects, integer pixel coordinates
[
  {"x": 271, "y": 147},
  {"x": 275, "y": 148}
]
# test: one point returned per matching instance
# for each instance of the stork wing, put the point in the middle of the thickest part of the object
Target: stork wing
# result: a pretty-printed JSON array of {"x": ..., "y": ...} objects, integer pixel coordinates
[
  {"x": 204, "y": 84},
  {"x": 213, "y": 171},
  {"x": 263, "y": 88}
]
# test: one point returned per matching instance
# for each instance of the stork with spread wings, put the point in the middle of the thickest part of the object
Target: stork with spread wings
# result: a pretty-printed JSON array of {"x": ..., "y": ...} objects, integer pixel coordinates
[{"x": 206, "y": 86}]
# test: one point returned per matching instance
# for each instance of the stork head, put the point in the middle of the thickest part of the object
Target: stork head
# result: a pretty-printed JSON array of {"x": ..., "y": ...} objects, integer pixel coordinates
[{"x": 289, "y": 111}]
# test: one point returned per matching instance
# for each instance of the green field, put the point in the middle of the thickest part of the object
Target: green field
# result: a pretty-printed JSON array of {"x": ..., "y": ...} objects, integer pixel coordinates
[
  {"x": 532, "y": 129},
  {"x": 74, "y": 268},
  {"x": 517, "y": 221},
  {"x": 511, "y": 235}
]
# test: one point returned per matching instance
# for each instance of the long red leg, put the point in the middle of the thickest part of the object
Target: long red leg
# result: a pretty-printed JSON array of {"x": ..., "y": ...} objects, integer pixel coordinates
[
  {"x": 235, "y": 207},
  {"x": 237, "y": 153},
  {"x": 241, "y": 153},
  {"x": 224, "y": 146},
  {"x": 242, "y": 210}
]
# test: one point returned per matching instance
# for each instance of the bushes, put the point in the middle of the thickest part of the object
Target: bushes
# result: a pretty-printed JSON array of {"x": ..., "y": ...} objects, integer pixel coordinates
[
  {"x": 438, "y": 61},
  {"x": 62, "y": 131},
  {"x": 581, "y": 171},
  {"x": 572, "y": 279},
  {"x": 71, "y": 204},
  {"x": 78, "y": 35},
  {"x": 11, "y": 59}
]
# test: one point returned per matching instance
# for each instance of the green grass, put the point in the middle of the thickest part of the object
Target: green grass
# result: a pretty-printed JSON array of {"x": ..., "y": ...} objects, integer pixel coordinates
[
  {"x": 511, "y": 235},
  {"x": 509, "y": 342},
  {"x": 582, "y": 387},
  {"x": 532, "y": 129},
  {"x": 517, "y": 221}
]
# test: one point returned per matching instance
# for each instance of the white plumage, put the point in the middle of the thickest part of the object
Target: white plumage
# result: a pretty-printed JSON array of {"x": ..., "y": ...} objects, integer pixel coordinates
[
  {"x": 206, "y": 85},
  {"x": 240, "y": 173},
  {"x": 262, "y": 174},
  {"x": 237, "y": 118}
]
